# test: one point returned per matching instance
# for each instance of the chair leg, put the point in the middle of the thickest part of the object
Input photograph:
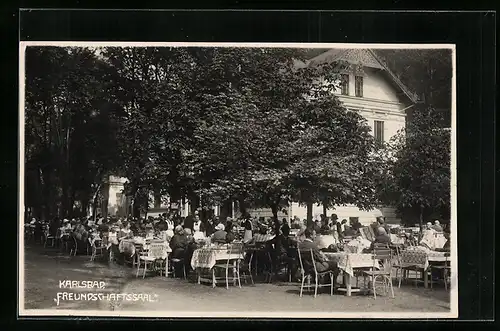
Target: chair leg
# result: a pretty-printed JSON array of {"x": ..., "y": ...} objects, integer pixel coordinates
[
  {"x": 392, "y": 288},
  {"x": 302, "y": 285},
  {"x": 138, "y": 268},
  {"x": 227, "y": 278},
  {"x": 374, "y": 280},
  {"x": 145, "y": 267},
  {"x": 316, "y": 286},
  {"x": 238, "y": 275},
  {"x": 332, "y": 281},
  {"x": 213, "y": 277}
]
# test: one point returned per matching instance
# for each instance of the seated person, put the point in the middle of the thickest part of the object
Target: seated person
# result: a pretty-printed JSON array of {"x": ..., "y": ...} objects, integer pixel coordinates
[
  {"x": 446, "y": 247},
  {"x": 162, "y": 225},
  {"x": 437, "y": 226},
  {"x": 349, "y": 232},
  {"x": 149, "y": 231},
  {"x": 282, "y": 246},
  {"x": 382, "y": 237},
  {"x": 220, "y": 234},
  {"x": 325, "y": 239},
  {"x": 300, "y": 235},
  {"x": 125, "y": 231},
  {"x": 321, "y": 262},
  {"x": 178, "y": 243},
  {"x": 189, "y": 235},
  {"x": 230, "y": 236},
  {"x": 381, "y": 223},
  {"x": 261, "y": 237}
]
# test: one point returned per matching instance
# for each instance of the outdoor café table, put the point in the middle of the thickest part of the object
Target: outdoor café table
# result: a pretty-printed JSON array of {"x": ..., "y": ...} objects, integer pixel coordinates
[
  {"x": 422, "y": 257},
  {"x": 129, "y": 247},
  {"x": 347, "y": 262},
  {"x": 204, "y": 259}
]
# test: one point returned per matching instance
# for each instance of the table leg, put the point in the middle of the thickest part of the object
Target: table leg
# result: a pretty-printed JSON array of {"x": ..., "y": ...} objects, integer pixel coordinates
[
  {"x": 426, "y": 278},
  {"x": 166, "y": 267},
  {"x": 347, "y": 282},
  {"x": 234, "y": 273}
]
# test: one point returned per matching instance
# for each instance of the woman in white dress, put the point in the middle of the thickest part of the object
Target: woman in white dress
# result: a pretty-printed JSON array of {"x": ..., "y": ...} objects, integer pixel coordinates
[{"x": 197, "y": 233}]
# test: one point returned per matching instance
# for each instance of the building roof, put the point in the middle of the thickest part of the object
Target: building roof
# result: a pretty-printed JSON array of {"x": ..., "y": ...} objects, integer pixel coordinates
[{"x": 365, "y": 57}]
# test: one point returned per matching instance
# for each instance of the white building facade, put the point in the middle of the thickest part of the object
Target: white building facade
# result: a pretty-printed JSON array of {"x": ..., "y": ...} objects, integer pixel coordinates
[{"x": 370, "y": 87}]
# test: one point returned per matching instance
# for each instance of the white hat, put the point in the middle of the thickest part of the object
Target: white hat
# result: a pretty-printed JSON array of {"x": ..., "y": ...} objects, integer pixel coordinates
[{"x": 220, "y": 227}]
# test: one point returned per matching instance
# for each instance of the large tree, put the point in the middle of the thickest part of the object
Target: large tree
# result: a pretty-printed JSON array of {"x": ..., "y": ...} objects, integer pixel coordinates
[
  {"x": 69, "y": 128},
  {"x": 417, "y": 177}
]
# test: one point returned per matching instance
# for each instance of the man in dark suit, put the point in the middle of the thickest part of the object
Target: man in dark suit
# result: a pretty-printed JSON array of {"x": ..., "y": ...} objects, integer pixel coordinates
[{"x": 321, "y": 262}]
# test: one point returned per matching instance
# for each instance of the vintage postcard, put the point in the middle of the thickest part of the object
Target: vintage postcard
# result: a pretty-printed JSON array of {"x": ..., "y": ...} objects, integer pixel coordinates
[{"x": 237, "y": 180}]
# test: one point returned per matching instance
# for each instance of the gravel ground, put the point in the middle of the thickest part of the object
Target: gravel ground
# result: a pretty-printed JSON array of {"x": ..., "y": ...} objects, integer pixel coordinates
[{"x": 45, "y": 268}]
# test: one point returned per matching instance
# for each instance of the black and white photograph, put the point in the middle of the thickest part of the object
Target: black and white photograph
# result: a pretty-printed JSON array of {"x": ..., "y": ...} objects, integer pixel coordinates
[{"x": 238, "y": 180}]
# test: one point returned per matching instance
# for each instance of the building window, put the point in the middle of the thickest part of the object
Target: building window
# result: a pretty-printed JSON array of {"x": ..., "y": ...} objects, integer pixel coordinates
[
  {"x": 379, "y": 131},
  {"x": 344, "y": 84},
  {"x": 359, "y": 86}
]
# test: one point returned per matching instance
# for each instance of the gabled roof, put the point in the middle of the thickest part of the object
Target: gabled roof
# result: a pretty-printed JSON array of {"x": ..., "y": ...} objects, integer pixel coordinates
[{"x": 367, "y": 58}]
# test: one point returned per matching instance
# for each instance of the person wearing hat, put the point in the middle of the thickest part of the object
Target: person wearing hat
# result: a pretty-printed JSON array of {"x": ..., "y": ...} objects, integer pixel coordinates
[{"x": 219, "y": 236}]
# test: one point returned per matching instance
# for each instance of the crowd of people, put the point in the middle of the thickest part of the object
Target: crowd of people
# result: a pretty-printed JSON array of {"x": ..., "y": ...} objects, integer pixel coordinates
[{"x": 185, "y": 234}]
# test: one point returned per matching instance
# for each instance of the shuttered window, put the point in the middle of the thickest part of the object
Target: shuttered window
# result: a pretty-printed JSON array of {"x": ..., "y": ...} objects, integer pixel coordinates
[
  {"x": 344, "y": 87},
  {"x": 358, "y": 80},
  {"x": 379, "y": 131}
]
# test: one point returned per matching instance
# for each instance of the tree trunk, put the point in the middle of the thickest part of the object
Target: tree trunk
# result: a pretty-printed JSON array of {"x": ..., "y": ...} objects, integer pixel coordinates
[
  {"x": 94, "y": 202},
  {"x": 274, "y": 209},
  {"x": 157, "y": 202},
  {"x": 421, "y": 219},
  {"x": 324, "y": 209},
  {"x": 243, "y": 206},
  {"x": 226, "y": 209},
  {"x": 309, "y": 213},
  {"x": 194, "y": 203},
  {"x": 85, "y": 206}
]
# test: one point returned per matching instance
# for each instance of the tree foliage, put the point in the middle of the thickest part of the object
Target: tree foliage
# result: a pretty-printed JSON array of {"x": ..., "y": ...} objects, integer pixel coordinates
[
  {"x": 417, "y": 172},
  {"x": 245, "y": 124}
]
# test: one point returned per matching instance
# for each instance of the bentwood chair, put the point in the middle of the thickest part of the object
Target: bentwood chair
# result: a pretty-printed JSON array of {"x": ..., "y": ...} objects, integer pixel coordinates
[
  {"x": 382, "y": 268},
  {"x": 98, "y": 248},
  {"x": 49, "y": 239},
  {"x": 445, "y": 268},
  {"x": 154, "y": 257},
  {"x": 235, "y": 253},
  {"x": 74, "y": 245},
  {"x": 413, "y": 260},
  {"x": 308, "y": 269}
]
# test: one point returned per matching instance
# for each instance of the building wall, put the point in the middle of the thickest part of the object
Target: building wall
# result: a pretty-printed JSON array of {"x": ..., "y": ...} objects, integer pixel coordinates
[{"x": 117, "y": 205}]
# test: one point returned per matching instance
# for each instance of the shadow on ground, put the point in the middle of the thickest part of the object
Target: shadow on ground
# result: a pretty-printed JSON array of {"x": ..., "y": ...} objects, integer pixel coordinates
[{"x": 44, "y": 268}]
